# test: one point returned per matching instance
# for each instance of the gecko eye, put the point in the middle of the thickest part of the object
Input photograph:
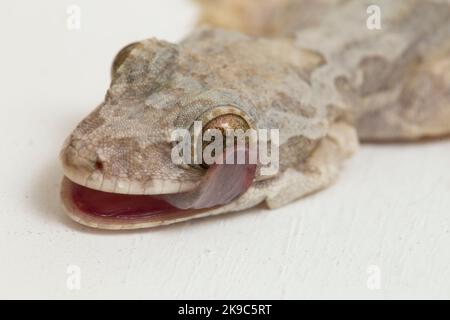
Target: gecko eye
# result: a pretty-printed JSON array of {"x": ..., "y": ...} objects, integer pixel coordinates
[
  {"x": 229, "y": 128},
  {"x": 121, "y": 56}
]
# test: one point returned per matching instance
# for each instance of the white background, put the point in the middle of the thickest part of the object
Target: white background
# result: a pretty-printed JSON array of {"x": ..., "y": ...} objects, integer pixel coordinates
[{"x": 390, "y": 209}]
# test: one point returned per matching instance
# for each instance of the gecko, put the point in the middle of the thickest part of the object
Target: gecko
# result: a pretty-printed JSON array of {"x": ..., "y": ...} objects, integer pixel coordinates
[{"x": 313, "y": 70}]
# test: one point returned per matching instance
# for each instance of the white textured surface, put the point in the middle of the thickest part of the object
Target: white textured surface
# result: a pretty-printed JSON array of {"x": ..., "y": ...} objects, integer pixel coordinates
[{"x": 391, "y": 207}]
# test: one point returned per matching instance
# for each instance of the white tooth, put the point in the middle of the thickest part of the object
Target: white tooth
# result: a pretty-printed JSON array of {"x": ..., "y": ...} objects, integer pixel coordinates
[
  {"x": 159, "y": 186},
  {"x": 76, "y": 177},
  {"x": 171, "y": 187},
  {"x": 177, "y": 187},
  {"x": 94, "y": 181},
  {"x": 109, "y": 185},
  {"x": 122, "y": 186},
  {"x": 136, "y": 188},
  {"x": 188, "y": 185},
  {"x": 180, "y": 187},
  {"x": 101, "y": 184},
  {"x": 162, "y": 184},
  {"x": 156, "y": 186},
  {"x": 149, "y": 187}
]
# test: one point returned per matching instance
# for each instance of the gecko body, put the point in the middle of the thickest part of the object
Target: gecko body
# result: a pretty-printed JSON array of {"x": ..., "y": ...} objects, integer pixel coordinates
[{"x": 311, "y": 70}]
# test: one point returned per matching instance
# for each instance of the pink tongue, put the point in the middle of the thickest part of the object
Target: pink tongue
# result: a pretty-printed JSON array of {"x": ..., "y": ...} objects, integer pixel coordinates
[{"x": 221, "y": 184}]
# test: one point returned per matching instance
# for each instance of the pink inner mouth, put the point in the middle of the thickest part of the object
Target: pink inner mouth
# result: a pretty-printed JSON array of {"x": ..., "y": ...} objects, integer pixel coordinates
[
  {"x": 221, "y": 184},
  {"x": 106, "y": 204}
]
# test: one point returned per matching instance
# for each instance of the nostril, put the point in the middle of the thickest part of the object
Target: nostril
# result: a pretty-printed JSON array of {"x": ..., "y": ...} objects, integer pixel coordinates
[{"x": 99, "y": 165}]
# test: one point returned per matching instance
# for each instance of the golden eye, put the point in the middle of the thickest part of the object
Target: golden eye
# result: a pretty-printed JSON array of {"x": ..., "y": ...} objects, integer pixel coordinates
[
  {"x": 121, "y": 56},
  {"x": 227, "y": 124},
  {"x": 227, "y": 121}
]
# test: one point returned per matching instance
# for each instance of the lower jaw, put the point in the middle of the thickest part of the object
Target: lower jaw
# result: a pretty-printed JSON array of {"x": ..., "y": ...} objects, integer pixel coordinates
[{"x": 117, "y": 211}]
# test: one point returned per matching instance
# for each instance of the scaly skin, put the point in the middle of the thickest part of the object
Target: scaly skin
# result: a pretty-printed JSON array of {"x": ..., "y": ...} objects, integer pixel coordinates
[
  {"x": 396, "y": 80},
  {"x": 314, "y": 82}
]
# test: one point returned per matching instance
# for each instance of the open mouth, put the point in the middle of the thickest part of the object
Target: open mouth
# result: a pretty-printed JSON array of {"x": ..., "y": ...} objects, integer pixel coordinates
[
  {"x": 113, "y": 205},
  {"x": 221, "y": 184}
]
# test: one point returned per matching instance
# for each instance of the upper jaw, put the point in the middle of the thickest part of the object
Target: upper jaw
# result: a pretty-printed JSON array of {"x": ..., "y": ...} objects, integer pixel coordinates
[
  {"x": 95, "y": 179},
  {"x": 83, "y": 171},
  {"x": 98, "y": 181}
]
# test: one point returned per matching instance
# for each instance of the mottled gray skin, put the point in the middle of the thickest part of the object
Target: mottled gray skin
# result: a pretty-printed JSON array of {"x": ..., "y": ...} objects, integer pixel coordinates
[
  {"x": 395, "y": 80},
  {"x": 312, "y": 85}
]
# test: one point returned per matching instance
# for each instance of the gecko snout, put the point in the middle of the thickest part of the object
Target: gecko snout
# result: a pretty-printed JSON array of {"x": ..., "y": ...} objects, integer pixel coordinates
[{"x": 80, "y": 160}]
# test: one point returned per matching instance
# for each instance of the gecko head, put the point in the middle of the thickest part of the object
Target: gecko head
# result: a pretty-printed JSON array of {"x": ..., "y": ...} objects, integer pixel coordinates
[{"x": 118, "y": 164}]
